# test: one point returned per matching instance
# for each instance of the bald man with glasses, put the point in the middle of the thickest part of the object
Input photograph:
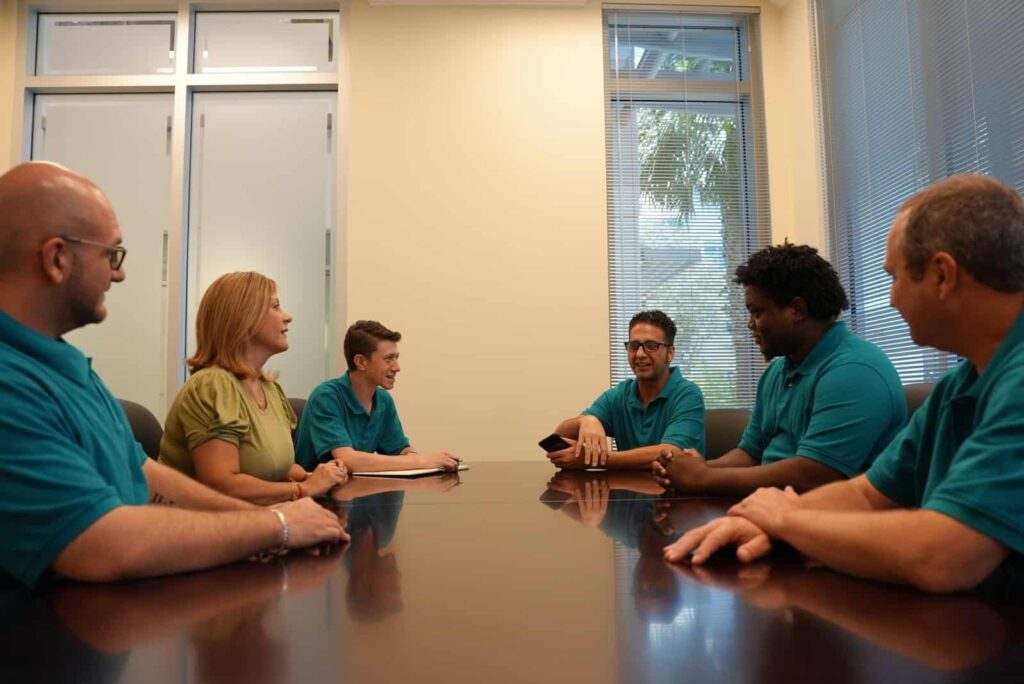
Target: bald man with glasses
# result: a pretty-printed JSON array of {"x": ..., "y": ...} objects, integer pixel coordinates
[
  {"x": 656, "y": 410},
  {"x": 76, "y": 489}
]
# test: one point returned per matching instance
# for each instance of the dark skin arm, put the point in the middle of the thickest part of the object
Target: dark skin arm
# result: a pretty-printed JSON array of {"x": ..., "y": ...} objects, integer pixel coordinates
[{"x": 695, "y": 476}]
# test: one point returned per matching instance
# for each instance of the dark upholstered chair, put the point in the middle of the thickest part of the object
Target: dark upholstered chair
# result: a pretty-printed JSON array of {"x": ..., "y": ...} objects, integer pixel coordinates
[
  {"x": 297, "y": 406},
  {"x": 145, "y": 427},
  {"x": 916, "y": 394},
  {"x": 723, "y": 429}
]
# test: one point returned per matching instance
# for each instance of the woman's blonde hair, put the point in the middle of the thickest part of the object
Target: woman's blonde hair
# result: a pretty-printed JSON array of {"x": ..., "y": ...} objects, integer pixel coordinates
[{"x": 230, "y": 312}]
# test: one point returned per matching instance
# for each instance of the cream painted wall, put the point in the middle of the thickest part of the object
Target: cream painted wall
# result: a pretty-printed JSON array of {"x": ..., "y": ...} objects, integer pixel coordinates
[
  {"x": 477, "y": 218},
  {"x": 8, "y": 36},
  {"x": 794, "y": 166},
  {"x": 476, "y": 206}
]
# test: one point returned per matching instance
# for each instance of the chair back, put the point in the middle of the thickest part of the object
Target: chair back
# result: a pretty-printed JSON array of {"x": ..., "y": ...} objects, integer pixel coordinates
[
  {"x": 145, "y": 427},
  {"x": 297, "y": 406},
  {"x": 723, "y": 429},
  {"x": 916, "y": 394}
]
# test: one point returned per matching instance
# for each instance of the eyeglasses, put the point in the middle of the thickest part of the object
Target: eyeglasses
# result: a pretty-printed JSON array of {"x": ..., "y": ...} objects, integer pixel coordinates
[
  {"x": 650, "y": 346},
  {"x": 117, "y": 252}
]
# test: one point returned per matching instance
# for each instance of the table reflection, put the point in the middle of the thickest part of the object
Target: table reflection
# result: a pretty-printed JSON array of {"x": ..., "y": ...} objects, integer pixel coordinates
[
  {"x": 371, "y": 506},
  {"x": 228, "y": 616},
  {"x": 800, "y": 622}
]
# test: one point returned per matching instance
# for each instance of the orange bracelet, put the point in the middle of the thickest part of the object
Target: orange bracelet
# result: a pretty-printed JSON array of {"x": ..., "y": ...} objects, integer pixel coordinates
[{"x": 301, "y": 493}]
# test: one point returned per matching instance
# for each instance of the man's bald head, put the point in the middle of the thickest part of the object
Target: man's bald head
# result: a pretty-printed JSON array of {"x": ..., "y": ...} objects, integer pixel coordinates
[{"x": 39, "y": 200}]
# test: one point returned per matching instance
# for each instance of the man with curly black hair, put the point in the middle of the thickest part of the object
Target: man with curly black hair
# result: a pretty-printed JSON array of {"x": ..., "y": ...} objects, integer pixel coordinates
[
  {"x": 825, "y": 407},
  {"x": 657, "y": 410}
]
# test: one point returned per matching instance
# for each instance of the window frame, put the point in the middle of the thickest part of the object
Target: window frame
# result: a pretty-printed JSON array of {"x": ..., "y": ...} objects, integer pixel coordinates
[
  {"x": 183, "y": 84},
  {"x": 745, "y": 94}
]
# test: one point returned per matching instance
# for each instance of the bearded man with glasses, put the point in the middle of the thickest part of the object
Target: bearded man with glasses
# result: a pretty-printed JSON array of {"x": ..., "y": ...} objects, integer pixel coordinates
[
  {"x": 657, "y": 410},
  {"x": 78, "y": 497}
]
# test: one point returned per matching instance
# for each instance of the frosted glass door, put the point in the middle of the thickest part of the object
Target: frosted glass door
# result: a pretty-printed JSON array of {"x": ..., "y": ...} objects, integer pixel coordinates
[
  {"x": 262, "y": 193},
  {"x": 122, "y": 142}
]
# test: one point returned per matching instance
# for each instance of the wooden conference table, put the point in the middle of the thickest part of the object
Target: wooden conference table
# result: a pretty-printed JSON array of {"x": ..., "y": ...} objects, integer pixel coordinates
[{"x": 508, "y": 573}]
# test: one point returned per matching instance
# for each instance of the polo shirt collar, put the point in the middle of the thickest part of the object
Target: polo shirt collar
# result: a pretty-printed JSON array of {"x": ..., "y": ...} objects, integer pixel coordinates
[
  {"x": 56, "y": 354},
  {"x": 1013, "y": 339},
  {"x": 674, "y": 378},
  {"x": 821, "y": 351},
  {"x": 349, "y": 395}
]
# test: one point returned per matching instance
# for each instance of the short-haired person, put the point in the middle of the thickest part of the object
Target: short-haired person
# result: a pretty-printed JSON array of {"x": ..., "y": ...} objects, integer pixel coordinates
[
  {"x": 825, "y": 407},
  {"x": 657, "y": 409},
  {"x": 74, "y": 483},
  {"x": 942, "y": 508},
  {"x": 230, "y": 427},
  {"x": 353, "y": 418}
]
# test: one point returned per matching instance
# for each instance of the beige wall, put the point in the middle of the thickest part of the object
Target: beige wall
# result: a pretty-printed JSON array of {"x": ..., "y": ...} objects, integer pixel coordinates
[
  {"x": 477, "y": 217},
  {"x": 8, "y": 35},
  {"x": 476, "y": 207}
]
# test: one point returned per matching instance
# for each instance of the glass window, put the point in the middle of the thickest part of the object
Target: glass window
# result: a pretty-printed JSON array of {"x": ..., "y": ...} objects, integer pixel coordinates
[
  {"x": 244, "y": 42},
  {"x": 908, "y": 99},
  {"x": 122, "y": 143},
  {"x": 79, "y": 44},
  {"x": 687, "y": 189},
  {"x": 262, "y": 198}
]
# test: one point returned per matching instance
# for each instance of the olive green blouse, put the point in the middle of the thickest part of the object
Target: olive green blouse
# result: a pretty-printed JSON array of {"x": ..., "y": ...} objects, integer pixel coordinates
[{"x": 214, "y": 404}]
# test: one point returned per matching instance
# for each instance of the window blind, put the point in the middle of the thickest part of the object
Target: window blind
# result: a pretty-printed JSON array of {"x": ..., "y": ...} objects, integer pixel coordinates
[
  {"x": 687, "y": 186},
  {"x": 911, "y": 91}
]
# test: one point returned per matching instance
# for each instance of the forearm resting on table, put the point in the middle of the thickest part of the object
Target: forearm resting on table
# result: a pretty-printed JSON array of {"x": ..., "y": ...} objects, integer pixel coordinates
[
  {"x": 252, "y": 489},
  {"x": 923, "y": 548},
  {"x": 855, "y": 494},
  {"x": 735, "y": 458},
  {"x": 143, "y": 541},
  {"x": 798, "y": 472},
  {"x": 363, "y": 462},
  {"x": 639, "y": 458}
]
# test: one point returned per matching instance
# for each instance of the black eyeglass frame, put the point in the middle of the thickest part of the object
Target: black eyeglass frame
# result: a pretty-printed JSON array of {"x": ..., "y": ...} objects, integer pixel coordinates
[
  {"x": 650, "y": 346},
  {"x": 117, "y": 252}
]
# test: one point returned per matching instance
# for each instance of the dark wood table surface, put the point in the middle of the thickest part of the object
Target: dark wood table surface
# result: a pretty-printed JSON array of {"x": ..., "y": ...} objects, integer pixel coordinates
[{"x": 508, "y": 573}]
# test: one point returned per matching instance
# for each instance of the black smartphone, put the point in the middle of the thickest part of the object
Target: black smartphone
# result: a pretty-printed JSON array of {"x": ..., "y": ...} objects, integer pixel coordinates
[{"x": 553, "y": 442}]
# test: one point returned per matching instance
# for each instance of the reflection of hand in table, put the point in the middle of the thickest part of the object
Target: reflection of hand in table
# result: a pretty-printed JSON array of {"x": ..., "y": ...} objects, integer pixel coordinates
[
  {"x": 567, "y": 481},
  {"x": 593, "y": 502},
  {"x": 113, "y": 617},
  {"x": 359, "y": 487},
  {"x": 949, "y": 633}
]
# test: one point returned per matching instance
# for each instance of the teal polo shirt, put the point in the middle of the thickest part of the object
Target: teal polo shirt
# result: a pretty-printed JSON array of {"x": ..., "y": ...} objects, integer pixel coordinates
[
  {"x": 675, "y": 416},
  {"x": 963, "y": 452},
  {"x": 67, "y": 453},
  {"x": 334, "y": 418},
  {"x": 841, "y": 406}
]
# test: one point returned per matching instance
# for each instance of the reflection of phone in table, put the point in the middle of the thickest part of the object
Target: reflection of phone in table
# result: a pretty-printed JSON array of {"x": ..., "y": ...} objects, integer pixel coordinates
[
  {"x": 553, "y": 442},
  {"x": 554, "y": 499}
]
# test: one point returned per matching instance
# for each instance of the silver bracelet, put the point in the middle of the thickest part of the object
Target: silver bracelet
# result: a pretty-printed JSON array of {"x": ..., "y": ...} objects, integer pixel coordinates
[{"x": 284, "y": 529}]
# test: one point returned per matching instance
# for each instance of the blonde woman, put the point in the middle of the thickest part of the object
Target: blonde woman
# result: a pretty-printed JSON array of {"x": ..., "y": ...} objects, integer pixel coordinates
[{"x": 230, "y": 425}]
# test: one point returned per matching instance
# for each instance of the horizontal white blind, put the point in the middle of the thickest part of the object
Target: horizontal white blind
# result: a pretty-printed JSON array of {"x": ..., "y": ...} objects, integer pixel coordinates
[
  {"x": 912, "y": 91},
  {"x": 687, "y": 187}
]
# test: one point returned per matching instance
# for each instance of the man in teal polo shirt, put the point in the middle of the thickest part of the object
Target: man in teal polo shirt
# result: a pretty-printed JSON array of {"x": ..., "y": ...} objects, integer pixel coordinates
[
  {"x": 942, "y": 508},
  {"x": 75, "y": 486},
  {"x": 825, "y": 407},
  {"x": 658, "y": 409},
  {"x": 353, "y": 418}
]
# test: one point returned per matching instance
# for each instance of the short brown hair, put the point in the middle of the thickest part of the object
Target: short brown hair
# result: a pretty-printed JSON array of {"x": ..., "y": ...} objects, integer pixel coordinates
[
  {"x": 975, "y": 218},
  {"x": 230, "y": 312},
  {"x": 362, "y": 338}
]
